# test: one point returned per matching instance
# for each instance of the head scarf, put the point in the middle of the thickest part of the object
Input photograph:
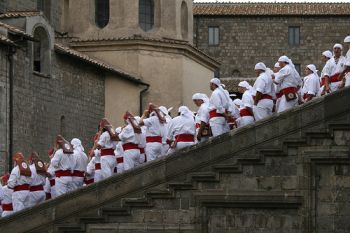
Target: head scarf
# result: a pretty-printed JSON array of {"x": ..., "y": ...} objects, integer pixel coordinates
[
  {"x": 76, "y": 143},
  {"x": 245, "y": 84},
  {"x": 260, "y": 66},
  {"x": 185, "y": 112},
  {"x": 238, "y": 102},
  {"x": 277, "y": 65},
  {"x": 312, "y": 67},
  {"x": 338, "y": 46},
  {"x": 327, "y": 53},
  {"x": 347, "y": 39},
  {"x": 284, "y": 59}
]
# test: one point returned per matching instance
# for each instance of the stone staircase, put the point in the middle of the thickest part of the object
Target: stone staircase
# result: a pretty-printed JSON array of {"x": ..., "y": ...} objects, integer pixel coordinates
[{"x": 289, "y": 173}]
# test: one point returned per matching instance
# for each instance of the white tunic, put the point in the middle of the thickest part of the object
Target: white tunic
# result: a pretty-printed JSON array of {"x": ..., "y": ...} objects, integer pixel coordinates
[
  {"x": 264, "y": 84},
  {"x": 218, "y": 101},
  {"x": 62, "y": 161},
  {"x": 202, "y": 114},
  {"x": 36, "y": 178},
  {"x": 105, "y": 141},
  {"x": 247, "y": 99},
  {"x": 347, "y": 63},
  {"x": 286, "y": 77},
  {"x": 16, "y": 179},
  {"x": 81, "y": 160},
  {"x": 311, "y": 85},
  {"x": 127, "y": 135},
  {"x": 153, "y": 126},
  {"x": 181, "y": 125}
]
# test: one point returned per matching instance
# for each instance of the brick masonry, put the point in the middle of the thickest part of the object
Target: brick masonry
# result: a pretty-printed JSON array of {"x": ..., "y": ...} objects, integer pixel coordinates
[{"x": 246, "y": 40}]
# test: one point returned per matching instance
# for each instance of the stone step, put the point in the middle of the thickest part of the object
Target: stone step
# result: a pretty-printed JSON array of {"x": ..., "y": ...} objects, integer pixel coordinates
[
  {"x": 69, "y": 229},
  {"x": 227, "y": 168},
  {"x": 116, "y": 211},
  {"x": 204, "y": 177},
  {"x": 137, "y": 202}
]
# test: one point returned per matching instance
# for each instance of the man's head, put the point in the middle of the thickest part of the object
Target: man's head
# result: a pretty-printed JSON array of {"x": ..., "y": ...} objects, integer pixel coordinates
[
  {"x": 347, "y": 41},
  {"x": 197, "y": 99},
  {"x": 310, "y": 69},
  {"x": 326, "y": 55},
  {"x": 277, "y": 67},
  {"x": 337, "y": 50},
  {"x": 283, "y": 61},
  {"x": 243, "y": 86},
  {"x": 260, "y": 68},
  {"x": 214, "y": 83}
]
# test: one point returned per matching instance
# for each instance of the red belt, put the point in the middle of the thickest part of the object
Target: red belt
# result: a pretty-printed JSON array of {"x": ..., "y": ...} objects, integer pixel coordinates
[
  {"x": 306, "y": 96},
  {"x": 105, "y": 152},
  {"x": 63, "y": 173},
  {"x": 289, "y": 90},
  {"x": 154, "y": 139},
  {"x": 7, "y": 207},
  {"x": 36, "y": 188},
  {"x": 78, "y": 173},
  {"x": 120, "y": 160},
  {"x": 91, "y": 181},
  {"x": 184, "y": 138},
  {"x": 279, "y": 95},
  {"x": 22, "y": 187},
  {"x": 245, "y": 112},
  {"x": 130, "y": 146},
  {"x": 97, "y": 166},
  {"x": 142, "y": 150},
  {"x": 266, "y": 96},
  {"x": 52, "y": 182},
  {"x": 334, "y": 78},
  {"x": 213, "y": 114}
]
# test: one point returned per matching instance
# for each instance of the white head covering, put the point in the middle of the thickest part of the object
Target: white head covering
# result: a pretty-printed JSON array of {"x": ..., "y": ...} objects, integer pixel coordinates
[
  {"x": 205, "y": 98},
  {"x": 216, "y": 81},
  {"x": 338, "y": 46},
  {"x": 260, "y": 66},
  {"x": 185, "y": 112},
  {"x": 347, "y": 39},
  {"x": 76, "y": 143},
  {"x": 118, "y": 130},
  {"x": 197, "y": 96},
  {"x": 312, "y": 67},
  {"x": 284, "y": 59},
  {"x": 223, "y": 85},
  {"x": 245, "y": 84},
  {"x": 328, "y": 54},
  {"x": 277, "y": 65},
  {"x": 238, "y": 102}
]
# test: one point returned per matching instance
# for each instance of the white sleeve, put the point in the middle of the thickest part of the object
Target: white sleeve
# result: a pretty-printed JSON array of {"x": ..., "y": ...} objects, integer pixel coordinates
[
  {"x": 217, "y": 102},
  {"x": 56, "y": 158},
  {"x": 284, "y": 72},
  {"x": 103, "y": 139},
  {"x": 260, "y": 85},
  {"x": 127, "y": 133},
  {"x": 13, "y": 178},
  {"x": 171, "y": 130},
  {"x": 247, "y": 100},
  {"x": 1, "y": 193},
  {"x": 149, "y": 121},
  {"x": 327, "y": 69}
]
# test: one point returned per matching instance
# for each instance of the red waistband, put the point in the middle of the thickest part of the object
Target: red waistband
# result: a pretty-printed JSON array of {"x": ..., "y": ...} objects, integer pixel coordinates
[
  {"x": 105, "y": 152},
  {"x": 91, "y": 181},
  {"x": 77, "y": 173},
  {"x": 120, "y": 160},
  {"x": 142, "y": 150},
  {"x": 130, "y": 146},
  {"x": 52, "y": 182},
  {"x": 305, "y": 96},
  {"x": 266, "y": 97},
  {"x": 334, "y": 78},
  {"x": 36, "y": 188},
  {"x": 245, "y": 112},
  {"x": 60, "y": 173},
  {"x": 154, "y": 139},
  {"x": 7, "y": 207},
  {"x": 22, "y": 187},
  {"x": 184, "y": 138},
  {"x": 213, "y": 114},
  {"x": 97, "y": 166},
  {"x": 289, "y": 90},
  {"x": 279, "y": 95}
]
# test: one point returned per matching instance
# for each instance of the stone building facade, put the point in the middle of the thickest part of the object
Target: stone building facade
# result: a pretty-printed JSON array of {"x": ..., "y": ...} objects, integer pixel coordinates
[{"x": 254, "y": 32}]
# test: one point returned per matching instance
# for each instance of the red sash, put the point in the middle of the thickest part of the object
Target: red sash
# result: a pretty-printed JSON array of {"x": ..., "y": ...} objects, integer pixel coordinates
[
  {"x": 279, "y": 95},
  {"x": 22, "y": 187},
  {"x": 142, "y": 150},
  {"x": 213, "y": 114},
  {"x": 334, "y": 78},
  {"x": 105, "y": 152},
  {"x": 130, "y": 146},
  {"x": 63, "y": 173},
  {"x": 52, "y": 182},
  {"x": 77, "y": 173},
  {"x": 306, "y": 96},
  {"x": 36, "y": 188},
  {"x": 289, "y": 90},
  {"x": 153, "y": 139},
  {"x": 91, "y": 181},
  {"x": 266, "y": 97},
  {"x": 120, "y": 160},
  {"x": 7, "y": 207},
  {"x": 184, "y": 138},
  {"x": 244, "y": 112},
  {"x": 97, "y": 166}
]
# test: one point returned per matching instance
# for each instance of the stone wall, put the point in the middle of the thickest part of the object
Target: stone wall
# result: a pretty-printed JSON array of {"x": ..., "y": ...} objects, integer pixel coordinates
[
  {"x": 246, "y": 40},
  {"x": 70, "y": 101}
]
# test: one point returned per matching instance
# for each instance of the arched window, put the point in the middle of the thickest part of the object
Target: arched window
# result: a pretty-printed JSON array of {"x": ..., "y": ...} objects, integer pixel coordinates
[
  {"x": 101, "y": 13},
  {"x": 184, "y": 20},
  {"x": 146, "y": 14},
  {"x": 41, "y": 51}
]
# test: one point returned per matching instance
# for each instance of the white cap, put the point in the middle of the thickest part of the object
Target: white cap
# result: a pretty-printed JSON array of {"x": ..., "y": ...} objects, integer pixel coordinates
[
  {"x": 347, "y": 39},
  {"x": 244, "y": 84},
  {"x": 328, "y": 54},
  {"x": 197, "y": 96},
  {"x": 164, "y": 110},
  {"x": 284, "y": 59},
  {"x": 260, "y": 66},
  {"x": 216, "y": 81},
  {"x": 338, "y": 46},
  {"x": 238, "y": 102},
  {"x": 312, "y": 67},
  {"x": 277, "y": 65}
]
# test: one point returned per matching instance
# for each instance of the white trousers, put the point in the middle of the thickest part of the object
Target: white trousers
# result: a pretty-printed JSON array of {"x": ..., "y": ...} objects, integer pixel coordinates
[
  {"x": 20, "y": 200},
  {"x": 165, "y": 149},
  {"x": 243, "y": 121},
  {"x": 180, "y": 145},
  {"x": 142, "y": 159},
  {"x": 77, "y": 182},
  {"x": 107, "y": 165},
  {"x": 263, "y": 109},
  {"x": 36, "y": 198},
  {"x": 53, "y": 191},
  {"x": 153, "y": 150},
  {"x": 334, "y": 86},
  {"x": 131, "y": 158},
  {"x": 98, "y": 176},
  {"x": 218, "y": 126},
  {"x": 63, "y": 185},
  {"x": 285, "y": 105}
]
